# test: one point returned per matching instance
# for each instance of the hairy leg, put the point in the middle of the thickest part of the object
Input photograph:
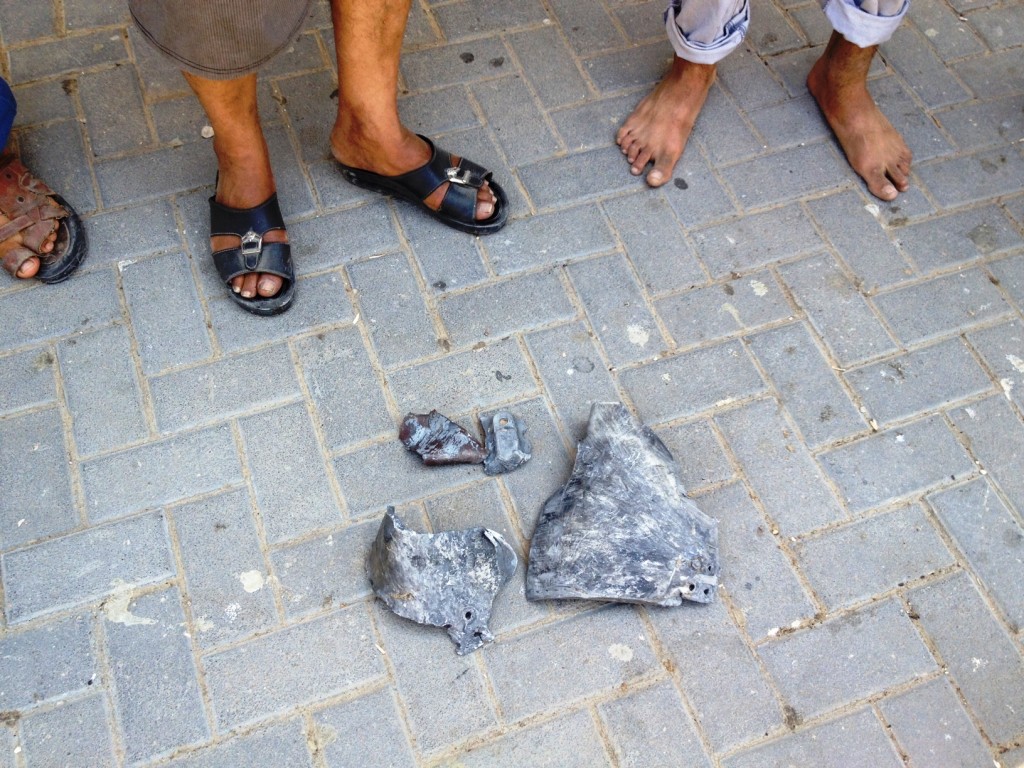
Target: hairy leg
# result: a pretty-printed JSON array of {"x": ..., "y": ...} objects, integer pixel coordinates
[
  {"x": 244, "y": 177},
  {"x": 874, "y": 149},
  {"x": 660, "y": 126}
]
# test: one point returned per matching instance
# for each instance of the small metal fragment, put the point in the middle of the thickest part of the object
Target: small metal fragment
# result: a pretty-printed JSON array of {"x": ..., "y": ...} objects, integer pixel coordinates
[
  {"x": 439, "y": 440},
  {"x": 507, "y": 446},
  {"x": 447, "y": 579}
]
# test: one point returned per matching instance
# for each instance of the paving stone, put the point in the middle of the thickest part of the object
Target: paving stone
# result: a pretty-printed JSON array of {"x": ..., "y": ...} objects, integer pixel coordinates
[
  {"x": 852, "y": 563},
  {"x": 460, "y": 382},
  {"x": 113, "y": 109},
  {"x": 807, "y": 384},
  {"x": 996, "y": 438},
  {"x": 559, "y": 181},
  {"x": 950, "y": 37},
  {"x": 312, "y": 108},
  {"x": 26, "y": 380},
  {"x": 593, "y": 123},
  {"x": 854, "y": 741},
  {"x": 700, "y": 456},
  {"x": 941, "y": 306},
  {"x": 23, "y": 24},
  {"x": 1014, "y": 758},
  {"x": 847, "y": 659},
  {"x": 990, "y": 537},
  {"x": 270, "y": 747},
  {"x": 570, "y": 740},
  {"x": 445, "y": 695},
  {"x": 73, "y": 734},
  {"x": 713, "y": 312},
  {"x": 392, "y": 308},
  {"x": 441, "y": 111},
  {"x": 645, "y": 730},
  {"x": 755, "y": 241},
  {"x": 813, "y": 23},
  {"x": 549, "y": 66},
  {"x": 444, "y": 263},
  {"x": 476, "y": 17},
  {"x": 772, "y": 33},
  {"x": 463, "y": 62},
  {"x": 139, "y": 178},
  {"x": 755, "y": 571},
  {"x": 837, "y": 310},
  {"x": 1000, "y": 26},
  {"x": 223, "y": 388},
  {"x": 576, "y": 657},
  {"x": 293, "y": 190},
  {"x": 745, "y": 76},
  {"x": 654, "y": 242},
  {"x": 640, "y": 65},
  {"x": 720, "y": 677},
  {"x": 551, "y": 238},
  {"x": 785, "y": 175},
  {"x": 158, "y": 74},
  {"x": 289, "y": 476},
  {"x": 911, "y": 56},
  {"x": 795, "y": 122},
  {"x": 1008, "y": 273},
  {"x": 984, "y": 663},
  {"x": 37, "y": 503},
  {"x": 980, "y": 125},
  {"x": 924, "y": 380},
  {"x": 41, "y": 102},
  {"x": 967, "y": 179},
  {"x": 1002, "y": 349},
  {"x": 961, "y": 237},
  {"x": 643, "y": 21},
  {"x": 81, "y": 14},
  {"x": 896, "y": 463},
  {"x": 365, "y": 732},
  {"x": 722, "y": 131},
  {"x": 589, "y": 27},
  {"x": 46, "y": 662},
  {"x": 41, "y": 579},
  {"x": 992, "y": 75},
  {"x": 780, "y": 471},
  {"x": 150, "y": 476},
  {"x": 225, "y": 573},
  {"x": 917, "y": 128},
  {"x": 64, "y": 55},
  {"x": 137, "y": 231},
  {"x": 693, "y": 382},
  {"x": 510, "y": 110},
  {"x": 7, "y": 747},
  {"x": 156, "y": 690},
  {"x": 299, "y": 664},
  {"x": 39, "y": 314},
  {"x": 573, "y": 373},
  {"x": 620, "y": 316},
  {"x": 101, "y": 389},
  {"x": 931, "y": 726},
  {"x": 697, "y": 196},
  {"x": 70, "y": 173}
]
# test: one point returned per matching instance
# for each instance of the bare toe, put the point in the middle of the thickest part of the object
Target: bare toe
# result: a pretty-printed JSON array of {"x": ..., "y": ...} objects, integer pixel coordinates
[
  {"x": 269, "y": 285},
  {"x": 28, "y": 268}
]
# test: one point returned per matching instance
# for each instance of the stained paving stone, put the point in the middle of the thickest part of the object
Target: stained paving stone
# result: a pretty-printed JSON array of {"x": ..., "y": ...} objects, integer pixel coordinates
[
  {"x": 114, "y": 116},
  {"x": 1013, "y": 758},
  {"x": 509, "y": 108},
  {"x": 699, "y": 454},
  {"x": 593, "y": 123},
  {"x": 698, "y": 198},
  {"x": 34, "y": 506},
  {"x": 983, "y": 661},
  {"x": 569, "y": 740},
  {"x": 930, "y": 724},
  {"x": 587, "y": 28},
  {"x": 556, "y": 181},
  {"x": 461, "y": 62},
  {"x": 138, "y": 231},
  {"x": 755, "y": 571},
  {"x": 991, "y": 539},
  {"x": 275, "y": 745},
  {"x": 65, "y": 735},
  {"x": 549, "y": 66},
  {"x": 793, "y": 122},
  {"x": 298, "y": 663},
  {"x": 854, "y": 741},
  {"x": 849, "y": 564},
  {"x": 552, "y": 238},
  {"x": 807, "y": 384},
  {"x": 946, "y": 30},
  {"x": 441, "y": 111},
  {"x": 999, "y": 26},
  {"x": 910, "y": 55},
  {"x": 47, "y": 661},
  {"x": 365, "y": 732},
  {"x": 71, "y": 173},
  {"x": 576, "y": 657},
  {"x": 895, "y": 463},
  {"x": 645, "y": 730},
  {"x": 923, "y": 380},
  {"x": 962, "y": 180},
  {"x": 785, "y": 175},
  {"x": 27, "y": 380},
  {"x": 156, "y": 697},
  {"x": 781, "y": 472},
  {"x": 64, "y": 56},
  {"x": 1002, "y": 349},
  {"x": 731, "y": 140},
  {"x": 1008, "y": 273},
  {"x": 138, "y": 178},
  {"x": 958, "y": 238},
  {"x": 977, "y": 126},
  {"x": 85, "y": 566},
  {"x": 995, "y": 435},
  {"x": 640, "y": 65}
]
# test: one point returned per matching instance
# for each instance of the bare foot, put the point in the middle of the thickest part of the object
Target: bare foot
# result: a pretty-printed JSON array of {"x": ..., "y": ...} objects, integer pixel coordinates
[
  {"x": 874, "y": 149},
  {"x": 394, "y": 156},
  {"x": 660, "y": 126}
]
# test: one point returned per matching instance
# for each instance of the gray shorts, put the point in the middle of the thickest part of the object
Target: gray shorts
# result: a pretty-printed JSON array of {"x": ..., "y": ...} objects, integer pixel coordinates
[{"x": 220, "y": 39}]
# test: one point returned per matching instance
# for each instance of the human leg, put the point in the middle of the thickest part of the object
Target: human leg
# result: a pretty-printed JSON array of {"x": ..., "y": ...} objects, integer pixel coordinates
[
  {"x": 702, "y": 33},
  {"x": 367, "y": 132},
  {"x": 838, "y": 82}
]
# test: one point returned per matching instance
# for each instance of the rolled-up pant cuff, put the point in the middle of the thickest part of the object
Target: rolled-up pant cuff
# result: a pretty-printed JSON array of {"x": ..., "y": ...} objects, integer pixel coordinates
[
  {"x": 708, "y": 53},
  {"x": 860, "y": 27}
]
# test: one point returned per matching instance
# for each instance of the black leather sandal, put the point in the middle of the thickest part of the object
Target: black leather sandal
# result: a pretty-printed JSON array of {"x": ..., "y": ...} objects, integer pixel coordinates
[
  {"x": 458, "y": 208},
  {"x": 252, "y": 254}
]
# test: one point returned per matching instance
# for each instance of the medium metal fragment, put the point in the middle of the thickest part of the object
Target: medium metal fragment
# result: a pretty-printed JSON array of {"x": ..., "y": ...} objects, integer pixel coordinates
[
  {"x": 439, "y": 440},
  {"x": 622, "y": 527},
  {"x": 507, "y": 446},
  {"x": 447, "y": 579}
]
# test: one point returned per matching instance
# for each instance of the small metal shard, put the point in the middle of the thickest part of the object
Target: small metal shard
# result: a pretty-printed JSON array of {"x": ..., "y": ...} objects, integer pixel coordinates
[
  {"x": 507, "y": 445},
  {"x": 622, "y": 527},
  {"x": 447, "y": 579},
  {"x": 439, "y": 440}
]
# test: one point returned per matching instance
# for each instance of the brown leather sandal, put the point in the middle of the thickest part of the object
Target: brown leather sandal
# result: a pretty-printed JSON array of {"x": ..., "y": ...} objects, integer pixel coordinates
[{"x": 36, "y": 211}]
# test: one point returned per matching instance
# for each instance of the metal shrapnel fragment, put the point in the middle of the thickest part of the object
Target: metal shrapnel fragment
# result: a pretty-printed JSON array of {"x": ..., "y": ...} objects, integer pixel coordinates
[
  {"x": 447, "y": 579},
  {"x": 622, "y": 528},
  {"x": 507, "y": 446},
  {"x": 439, "y": 440}
]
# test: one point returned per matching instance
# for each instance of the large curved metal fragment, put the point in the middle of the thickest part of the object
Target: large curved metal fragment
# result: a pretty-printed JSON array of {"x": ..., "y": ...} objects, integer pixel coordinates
[
  {"x": 447, "y": 579},
  {"x": 622, "y": 528}
]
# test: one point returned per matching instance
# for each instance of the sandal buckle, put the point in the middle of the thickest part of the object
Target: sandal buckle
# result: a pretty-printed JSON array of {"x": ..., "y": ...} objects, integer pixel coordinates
[
  {"x": 462, "y": 176},
  {"x": 252, "y": 245}
]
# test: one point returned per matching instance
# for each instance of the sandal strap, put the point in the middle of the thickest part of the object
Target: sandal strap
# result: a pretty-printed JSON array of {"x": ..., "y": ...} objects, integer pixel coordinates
[
  {"x": 20, "y": 191},
  {"x": 241, "y": 221},
  {"x": 271, "y": 258},
  {"x": 464, "y": 179}
]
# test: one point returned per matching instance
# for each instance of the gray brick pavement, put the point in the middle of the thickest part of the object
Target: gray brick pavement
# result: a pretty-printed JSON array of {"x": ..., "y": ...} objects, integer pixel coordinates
[{"x": 187, "y": 492}]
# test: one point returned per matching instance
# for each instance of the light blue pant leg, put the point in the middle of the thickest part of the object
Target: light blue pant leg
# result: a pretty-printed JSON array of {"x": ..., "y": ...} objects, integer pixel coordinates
[
  {"x": 7, "y": 110},
  {"x": 865, "y": 22}
]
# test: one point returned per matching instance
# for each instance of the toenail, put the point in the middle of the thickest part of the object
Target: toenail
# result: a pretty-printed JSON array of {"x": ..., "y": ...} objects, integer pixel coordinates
[
  {"x": 266, "y": 286},
  {"x": 236, "y": 289},
  {"x": 247, "y": 294}
]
